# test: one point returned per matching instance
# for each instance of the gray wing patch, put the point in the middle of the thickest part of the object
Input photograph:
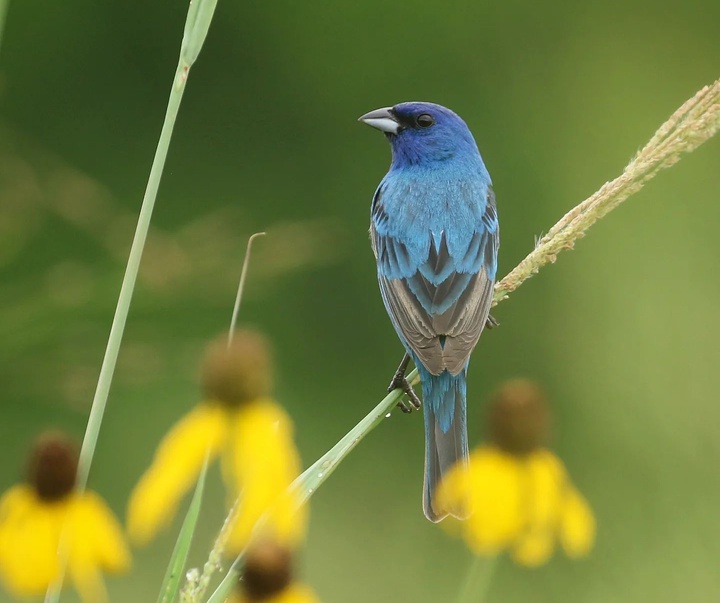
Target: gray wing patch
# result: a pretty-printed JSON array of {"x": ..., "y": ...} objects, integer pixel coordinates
[
  {"x": 409, "y": 317},
  {"x": 461, "y": 324},
  {"x": 469, "y": 317},
  {"x": 413, "y": 322}
]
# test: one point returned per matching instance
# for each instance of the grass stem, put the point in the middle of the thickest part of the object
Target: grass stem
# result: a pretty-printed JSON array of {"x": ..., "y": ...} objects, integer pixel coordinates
[
  {"x": 196, "y": 28},
  {"x": 694, "y": 123}
]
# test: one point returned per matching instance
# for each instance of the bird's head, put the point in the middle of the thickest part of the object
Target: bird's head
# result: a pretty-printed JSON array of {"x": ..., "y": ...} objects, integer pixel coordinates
[{"x": 423, "y": 133}]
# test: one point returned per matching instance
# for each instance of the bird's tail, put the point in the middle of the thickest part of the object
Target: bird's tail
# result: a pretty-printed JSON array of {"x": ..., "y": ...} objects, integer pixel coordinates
[{"x": 445, "y": 434}]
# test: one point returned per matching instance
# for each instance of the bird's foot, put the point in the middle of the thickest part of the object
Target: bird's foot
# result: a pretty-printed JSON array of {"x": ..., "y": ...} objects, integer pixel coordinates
[
  {"x": 399, "y": 381},
  {"x": 491, "y": 323}
]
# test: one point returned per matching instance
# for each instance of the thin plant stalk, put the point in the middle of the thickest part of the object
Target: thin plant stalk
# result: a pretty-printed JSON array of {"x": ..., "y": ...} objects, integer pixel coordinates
[
  {"x": 241, "y": 287},
  {"x": 478, "y": 579},
  {"x": 3, "y": 16},
  {"x": 315, "y": 475},
  {"x": 194, "y": 590},
  {"x": 197, "y": 24},
  {"x": 694, "y": 123}
]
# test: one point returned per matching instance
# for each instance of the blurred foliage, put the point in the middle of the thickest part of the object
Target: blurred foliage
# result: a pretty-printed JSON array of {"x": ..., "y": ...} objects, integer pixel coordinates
[{"x": 623, "y": 331}]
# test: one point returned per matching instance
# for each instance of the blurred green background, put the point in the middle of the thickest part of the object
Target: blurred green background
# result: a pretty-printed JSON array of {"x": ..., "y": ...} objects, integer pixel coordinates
[{"x": 623, "y": 332}]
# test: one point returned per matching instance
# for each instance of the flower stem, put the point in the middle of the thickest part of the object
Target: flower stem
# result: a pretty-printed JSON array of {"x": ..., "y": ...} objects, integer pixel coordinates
[
  {"x": 192, "y": 592},
  {"x": 478, "y": 579},
  {"x": 196, "y": 27}
]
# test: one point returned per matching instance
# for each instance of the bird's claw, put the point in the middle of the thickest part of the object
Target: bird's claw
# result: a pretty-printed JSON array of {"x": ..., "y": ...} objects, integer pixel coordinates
[
  {"x": 399, "y": 381},
  {"x": 404, "y": 407}
]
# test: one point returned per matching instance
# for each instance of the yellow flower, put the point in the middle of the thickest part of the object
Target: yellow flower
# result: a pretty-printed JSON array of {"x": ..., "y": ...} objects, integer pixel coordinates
[
  {"x": 176, "y": 466},
  {"x": 295, "y": 593},
  {"x": 519, "y": 494},
  {"x": 263, "y": 462},
  {"x": 34, "y": 517},
  {"x": 252, "y": 435},
  {"x": 268, "y": 577}
]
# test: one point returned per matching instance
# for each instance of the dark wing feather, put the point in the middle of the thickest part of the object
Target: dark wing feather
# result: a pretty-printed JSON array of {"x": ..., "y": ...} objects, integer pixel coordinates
[{"x": 470, "y": 315}]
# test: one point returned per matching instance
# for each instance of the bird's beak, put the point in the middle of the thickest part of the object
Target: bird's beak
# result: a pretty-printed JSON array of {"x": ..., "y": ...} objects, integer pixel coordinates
[{"x": 382, "y": 119}]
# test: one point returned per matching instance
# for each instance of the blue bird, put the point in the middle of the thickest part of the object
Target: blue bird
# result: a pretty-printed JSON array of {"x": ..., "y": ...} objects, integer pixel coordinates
[{"x": 435, "y": 235}]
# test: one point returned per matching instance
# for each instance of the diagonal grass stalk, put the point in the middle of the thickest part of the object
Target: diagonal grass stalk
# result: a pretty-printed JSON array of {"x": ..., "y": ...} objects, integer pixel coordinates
[
  {"x": 194, "y": 590},
  {"x": 694, "y": 123},
  {"x": 197, "y": 24},
  {"x": 315, "y": 475}
]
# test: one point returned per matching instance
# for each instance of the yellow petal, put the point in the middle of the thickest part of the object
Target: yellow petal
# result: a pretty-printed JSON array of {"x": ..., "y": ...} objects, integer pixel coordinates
[
  {"x": 264, "y": 462},
  {"x": 545, "y": 480},
  {"x": 29, "y": 537},
  {"x": 577, "y": 524},
  {"x": 534, "y": 548},
  {"x": 87, "y": 580},
  {"x": 493, "y": 482},
  {"x": 95, "y": 543},
  {"x": 175, "y": 468},
  {"x": 296, "y": 593},
  {"x": 16, "y": 500},
  {"x": 97, "y": 536}
]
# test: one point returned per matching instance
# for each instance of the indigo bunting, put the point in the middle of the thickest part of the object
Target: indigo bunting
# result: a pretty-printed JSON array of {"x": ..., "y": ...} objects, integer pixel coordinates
[{"x": 434, "y": 232}]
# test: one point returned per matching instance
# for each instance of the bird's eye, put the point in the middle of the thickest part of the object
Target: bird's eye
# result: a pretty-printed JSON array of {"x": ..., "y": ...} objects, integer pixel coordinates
[{"x": 425, "y": 120}]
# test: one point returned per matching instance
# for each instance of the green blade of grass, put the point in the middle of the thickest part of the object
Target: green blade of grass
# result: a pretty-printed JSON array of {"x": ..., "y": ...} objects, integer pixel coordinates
[
  {"x": 3, "y": 15},
  {"x": 200, "y": 13},
  {"x": 174, "y": 572},
  {"x": 198, "y": 20},
  {"x": 315, "y": 475}
]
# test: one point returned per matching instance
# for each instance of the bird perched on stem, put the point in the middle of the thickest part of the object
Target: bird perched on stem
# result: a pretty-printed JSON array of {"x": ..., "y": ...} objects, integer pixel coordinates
[{"x": 434, "y": 231}]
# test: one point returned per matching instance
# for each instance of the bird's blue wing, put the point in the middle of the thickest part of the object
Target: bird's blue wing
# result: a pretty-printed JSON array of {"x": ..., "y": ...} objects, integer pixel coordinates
[{"x": 438, "y": 301}]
